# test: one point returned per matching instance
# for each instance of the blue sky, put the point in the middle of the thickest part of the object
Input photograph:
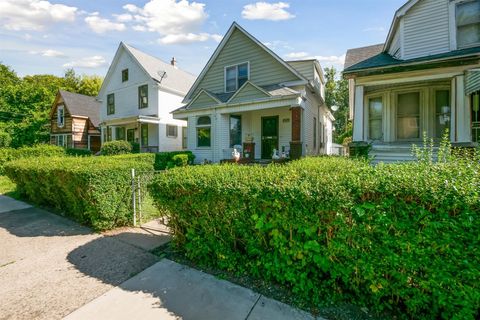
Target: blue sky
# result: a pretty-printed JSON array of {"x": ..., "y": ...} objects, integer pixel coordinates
[{"x": 49, "y": 36}]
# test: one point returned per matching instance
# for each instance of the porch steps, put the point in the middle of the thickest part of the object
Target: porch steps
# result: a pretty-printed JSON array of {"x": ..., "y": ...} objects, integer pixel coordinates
[{"x": 393, "y": 153}]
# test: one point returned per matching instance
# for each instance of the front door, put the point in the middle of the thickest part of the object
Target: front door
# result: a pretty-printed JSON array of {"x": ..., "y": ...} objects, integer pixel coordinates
[{"x": 269, "y": 136}]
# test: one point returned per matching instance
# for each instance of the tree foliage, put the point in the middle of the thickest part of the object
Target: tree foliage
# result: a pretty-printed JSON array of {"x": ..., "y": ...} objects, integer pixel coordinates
[
  {"x": 25, "y": 103},
  {"x": 336, "y": 94}
]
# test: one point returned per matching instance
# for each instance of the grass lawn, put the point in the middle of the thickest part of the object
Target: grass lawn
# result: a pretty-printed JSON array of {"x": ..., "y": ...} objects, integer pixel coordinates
[{"x": 8, "y": 187}]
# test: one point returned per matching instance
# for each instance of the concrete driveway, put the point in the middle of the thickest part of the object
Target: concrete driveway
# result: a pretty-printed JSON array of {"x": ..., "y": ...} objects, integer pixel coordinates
[{"x": 51, "y": 266}]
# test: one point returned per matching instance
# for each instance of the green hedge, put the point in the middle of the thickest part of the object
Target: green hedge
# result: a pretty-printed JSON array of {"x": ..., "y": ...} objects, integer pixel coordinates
[
  {"x": 113, "y": 148},
  {"x": 94, "y": 191},
  {"x": 401, "y": 239},
  {"x": 165, "y": 160},
  {"x": 42, "y": 150}
]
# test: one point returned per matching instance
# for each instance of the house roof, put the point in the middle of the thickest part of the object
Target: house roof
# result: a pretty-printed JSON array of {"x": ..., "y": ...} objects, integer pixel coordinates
[
  {"x": 82, "y": 105},
  {"x": 233, "y": 27},
  {"x": 358, "y": 55},
  {"x": 384, "y": 60},
  {"x": 176, "y": 79}
]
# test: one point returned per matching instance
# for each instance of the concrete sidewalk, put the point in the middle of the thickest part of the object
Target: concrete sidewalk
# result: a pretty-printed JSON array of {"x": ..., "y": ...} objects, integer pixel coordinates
[{"x": 168, "y": 290}]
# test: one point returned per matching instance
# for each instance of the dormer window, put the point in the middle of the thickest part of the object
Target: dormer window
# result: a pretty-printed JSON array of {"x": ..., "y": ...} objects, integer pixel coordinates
[
  {"x": 236, "y": 76},
  {"x": 125, "y": 75},
  {"x": 467, "y": 15},
  {"x": 60, "y": 116}
]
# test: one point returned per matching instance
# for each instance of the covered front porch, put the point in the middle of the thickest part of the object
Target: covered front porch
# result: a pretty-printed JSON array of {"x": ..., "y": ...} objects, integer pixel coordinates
[
  {"x": 393, "y": 114},
  {"x": 143, "y": 130}
]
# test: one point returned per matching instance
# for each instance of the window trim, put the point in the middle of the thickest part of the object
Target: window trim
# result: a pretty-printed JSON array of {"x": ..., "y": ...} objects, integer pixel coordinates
[
  {"x": 236, "y": 83},
  {"x": 62, "y": 108},
  {"x": 367, "y": 116},
  {"x": 171, "y": 126},
  {"x": 200, "y": 126},
  {"x": 421, "y": 102},
  {"x": 140, "y": 104},
  {"x": 109, "y": 110},
  {"x": 184, "y": 137},
  {"x": 453, "y": 25},
  {"x": 125, "y": 71}
]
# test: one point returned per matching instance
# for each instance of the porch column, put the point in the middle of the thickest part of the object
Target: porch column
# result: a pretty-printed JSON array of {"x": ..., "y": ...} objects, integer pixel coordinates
[
  {"x": 463, "y": 114},
  {"x": 358, "y": 121},
  {"x": 296, "y": 143}
]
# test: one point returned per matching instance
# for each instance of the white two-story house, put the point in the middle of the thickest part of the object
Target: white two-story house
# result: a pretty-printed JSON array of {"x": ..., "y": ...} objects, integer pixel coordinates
[
  {"x": 137, "y": 96},
  {"x": 424, "y": 79},
  {"x": 249, "y": 99}
]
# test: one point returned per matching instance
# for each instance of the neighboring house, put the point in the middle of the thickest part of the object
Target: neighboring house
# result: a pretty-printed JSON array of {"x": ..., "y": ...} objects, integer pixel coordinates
[
  {"x": 74, "y": 121},
  {"x": 250, "y": 99},
  {"x": 137, "y": 96},
  {"x": 424, "y": 79}
]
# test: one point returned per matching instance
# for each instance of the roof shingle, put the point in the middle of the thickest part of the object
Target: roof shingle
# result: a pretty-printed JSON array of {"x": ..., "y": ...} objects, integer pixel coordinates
[
  {"x": 82, "y": 105},
  {"x": 358, "y": 55}
]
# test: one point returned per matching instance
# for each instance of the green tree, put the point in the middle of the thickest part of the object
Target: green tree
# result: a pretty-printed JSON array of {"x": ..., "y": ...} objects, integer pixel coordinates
[
  {"x": 90, "y": 85},
  {"x": 336, "y": 94}
]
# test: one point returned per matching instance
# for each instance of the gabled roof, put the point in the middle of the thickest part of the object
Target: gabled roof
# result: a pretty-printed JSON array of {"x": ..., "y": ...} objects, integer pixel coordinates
[
  {"x": 81, "y": 105},
  {"x": 358, "y": 55},
  {"x": 210, "y": 97},
  {"x": 396, "y": 19},
  {"x": 175, "y": 80},
  {"x": 243, "y": 89},
  {"x": 217, "y": 51}
]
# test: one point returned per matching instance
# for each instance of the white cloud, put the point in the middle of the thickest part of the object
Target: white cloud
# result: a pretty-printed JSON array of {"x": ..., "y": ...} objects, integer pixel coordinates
[
  {"x": 33, "y": 15},
  {"x": 332, "y": 60},
  {"x": 296, "y": 55},
  {"x": 267, "y": 11},
  {"x": 123, "y": 17},
  {"x": 375, "y": 29},
  {"x": 102, "y": 25},
  {"x": 49, "y": 53},
  {"x": 89, "y": 62},
  {"x": 177, "y": 21},
  {"x": 189, "y": 38}
]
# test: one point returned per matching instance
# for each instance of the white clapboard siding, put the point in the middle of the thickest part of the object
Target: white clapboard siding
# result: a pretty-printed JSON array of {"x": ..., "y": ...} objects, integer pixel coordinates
[{"x": 426, "y": 29}]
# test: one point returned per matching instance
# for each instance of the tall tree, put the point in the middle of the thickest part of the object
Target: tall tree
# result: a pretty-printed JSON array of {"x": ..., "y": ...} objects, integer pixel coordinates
[{"x": 336, "y": 94}]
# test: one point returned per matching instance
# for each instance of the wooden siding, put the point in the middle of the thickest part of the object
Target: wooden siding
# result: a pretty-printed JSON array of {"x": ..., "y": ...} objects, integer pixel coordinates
[
  {"x": 395, "y": 47},
  {"x": 248, "y": 93},
  {"x": 305, "y": 68},
  {"x": 426, "y": 29},
  {"x": 203, "y": 100},
  {"x": 264, "y": 69},
  {"x": 54, "y": 128}
]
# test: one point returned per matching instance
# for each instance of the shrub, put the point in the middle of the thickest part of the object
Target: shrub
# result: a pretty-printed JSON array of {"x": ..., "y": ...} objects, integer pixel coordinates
[
  {"x": 41, "y": 150},
  {"x": 399, "y": 239},
  {"x": 5, "y": 139},
  {"x": 135, "y": 147},
  {"x": 164, "y": 160},
  {"x": 117, "y": 147},
  {"x": 94, "y": 191},
  {"x": 180, "y": 160},
  {"x": 78, "y": 152}
]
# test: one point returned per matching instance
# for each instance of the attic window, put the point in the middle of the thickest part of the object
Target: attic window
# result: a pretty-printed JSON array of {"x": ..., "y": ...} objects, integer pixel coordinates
[
  {"x": 60, "y": 116},
  {"x": 236, "y": 76},
  {"x": 124, "y": 75},
  {"x": 468, "y": 23}
]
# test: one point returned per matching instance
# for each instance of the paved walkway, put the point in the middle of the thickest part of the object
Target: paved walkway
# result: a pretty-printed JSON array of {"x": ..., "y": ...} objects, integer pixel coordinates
[{"x": 51, "y": 267}]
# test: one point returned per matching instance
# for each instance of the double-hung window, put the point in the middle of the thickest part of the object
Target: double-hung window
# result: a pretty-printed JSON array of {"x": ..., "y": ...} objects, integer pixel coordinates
[
  {"x": 204, "y": 127},
  {"x": 143, "y": 96},
  {"x": 60, "y": 116},
  {"x": 236, "y": 76},
  {"x": 124, "y": 75},
  {"x": 172, "y": 131},
  {"x": 375, "y": 118},
  {"x": 119, "y": 133},
  {"x": 111, "y": 103},
  {"x": 467, "y": 16}
]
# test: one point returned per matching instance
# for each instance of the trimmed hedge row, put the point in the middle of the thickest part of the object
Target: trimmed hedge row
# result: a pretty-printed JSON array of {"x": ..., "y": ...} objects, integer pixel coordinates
[
  {"x": 41, "y": 150},
  {"x": 94, "y": 191},
  {"x": 399, "y": 239}
]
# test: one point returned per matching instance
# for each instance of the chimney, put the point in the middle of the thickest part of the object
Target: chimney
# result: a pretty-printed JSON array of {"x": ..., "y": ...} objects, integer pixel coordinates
[{"x": 174, "y": 62}]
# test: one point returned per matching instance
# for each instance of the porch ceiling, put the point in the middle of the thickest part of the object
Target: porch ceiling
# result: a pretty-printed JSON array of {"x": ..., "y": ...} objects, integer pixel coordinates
[{"x": 441, "y": 82}]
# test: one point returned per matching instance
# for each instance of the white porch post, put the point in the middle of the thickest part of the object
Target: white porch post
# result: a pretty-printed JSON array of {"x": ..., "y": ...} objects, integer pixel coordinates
[
  {"x": 463, "y": 114},
  {"x": 358, "y": 121},
  {"x": 453, "y": 103}
]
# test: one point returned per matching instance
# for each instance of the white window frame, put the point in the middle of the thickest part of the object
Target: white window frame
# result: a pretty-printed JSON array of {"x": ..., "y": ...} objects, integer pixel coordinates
[
  {"x": 366, "y": 115},
  {"x": 171, "y": 126},
  {"x": 64, "y": 140},
  {"x": 61, "y": 108},
  {"x": 199, "y": 126},
  {"x": 453, "y": 24},
  {"x": 236, "y": 83}
]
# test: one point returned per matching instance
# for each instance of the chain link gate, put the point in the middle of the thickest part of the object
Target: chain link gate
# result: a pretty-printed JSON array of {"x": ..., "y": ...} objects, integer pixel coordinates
[{"x": 143, "y": 205}]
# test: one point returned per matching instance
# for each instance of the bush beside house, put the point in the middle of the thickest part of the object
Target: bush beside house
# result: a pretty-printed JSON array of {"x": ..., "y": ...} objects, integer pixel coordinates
[
  {"x": 112, "y": 148},
  {"x": 398, "y": 239}
]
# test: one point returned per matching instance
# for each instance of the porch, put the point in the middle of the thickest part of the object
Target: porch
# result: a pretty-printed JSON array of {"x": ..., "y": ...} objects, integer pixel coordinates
[
  {"x": 392, "y": 115},
  {"x": 142, "y": 130}
]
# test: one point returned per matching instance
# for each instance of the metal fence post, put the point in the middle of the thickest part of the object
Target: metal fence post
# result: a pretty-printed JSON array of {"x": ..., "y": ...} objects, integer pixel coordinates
[
  {"x": 133, "y": 199},
  {"x": 139, "y": 202}
]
